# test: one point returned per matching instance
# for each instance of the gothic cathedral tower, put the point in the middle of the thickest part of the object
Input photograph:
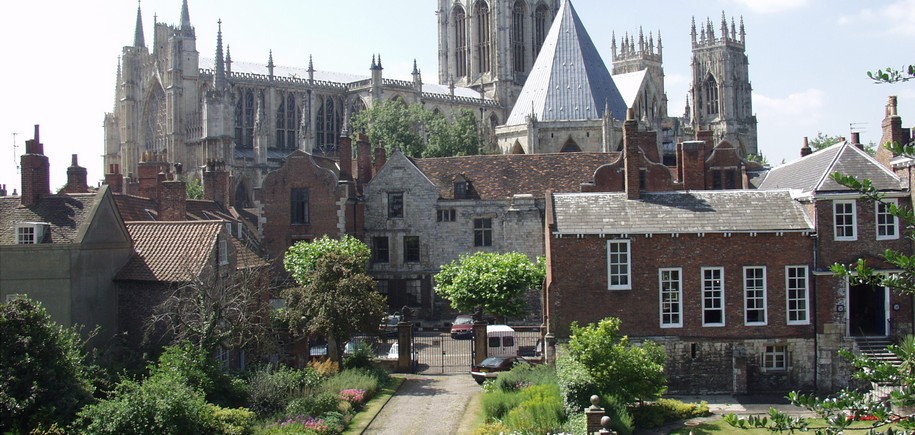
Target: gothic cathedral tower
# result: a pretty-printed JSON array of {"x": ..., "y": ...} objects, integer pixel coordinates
[
  {"x": 721, "y": 91},
  {"x": 491, "y": 45}
]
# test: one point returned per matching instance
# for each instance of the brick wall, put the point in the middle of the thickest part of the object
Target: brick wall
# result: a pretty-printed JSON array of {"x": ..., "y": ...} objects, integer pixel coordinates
[{"x": 866, "y": 246}]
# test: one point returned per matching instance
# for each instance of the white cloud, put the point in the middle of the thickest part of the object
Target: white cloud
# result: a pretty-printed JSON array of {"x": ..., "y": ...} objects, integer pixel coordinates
[
  {"x": 772, "y": 6},
  {"x": 895, "y": 18},
  {"x": 784, "y": 121},
  {"x": 807, "y": 103}
]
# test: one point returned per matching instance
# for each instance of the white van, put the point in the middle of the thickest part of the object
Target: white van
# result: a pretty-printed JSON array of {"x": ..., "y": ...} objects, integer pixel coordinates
[{"x": 500, "y": 340}]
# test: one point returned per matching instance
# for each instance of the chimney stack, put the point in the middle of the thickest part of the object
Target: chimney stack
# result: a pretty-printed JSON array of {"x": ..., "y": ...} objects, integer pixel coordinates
[
  {"x": 216, "y": 182},
  {"x": 149, "y": 169},
  {"x": 380, "y": 157},
  {"x": 114, "y": 179},
  {"x": 346, "y": 158},
  {"x": 172, "y": 200},
  {"x": 2, "y": 189},
  {"x": 363, "y": 159},
  {"x": 630, "y": 156},
  {"x": 76, "y": 178},
  {"x": 806, "y": 150},
  {"x": 856, "y": 140},
  {"x": 35, "y": 172}
]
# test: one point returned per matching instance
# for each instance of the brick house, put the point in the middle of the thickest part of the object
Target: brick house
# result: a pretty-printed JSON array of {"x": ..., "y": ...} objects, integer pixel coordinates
[
  {"x": 849, "y": 227},
  {"x": 62, "y": 249}
]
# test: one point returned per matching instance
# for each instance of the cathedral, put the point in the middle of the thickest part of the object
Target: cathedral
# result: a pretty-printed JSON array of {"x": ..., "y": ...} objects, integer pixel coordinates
[{"x": 527, "y": 67}]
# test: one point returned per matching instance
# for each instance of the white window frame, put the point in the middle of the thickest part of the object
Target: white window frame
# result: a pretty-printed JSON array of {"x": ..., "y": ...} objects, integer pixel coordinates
[
  {"x": 893, "y": 223},
  {"x": 805, "y": 293},
  {"x": 774, "y": 354},
  {"x": 662, "y": 292},
  {"x": 711, "y": 294},
  {"x": 611, "y": 263},
  {"x": 852, "y": 215},
  {"x": 751, "y": 287},
  {"x": 31, "y": 233}
]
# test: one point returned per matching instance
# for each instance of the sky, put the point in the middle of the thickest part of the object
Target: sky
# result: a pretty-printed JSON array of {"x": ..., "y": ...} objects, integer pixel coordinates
[{"x": 808, "y": 58}]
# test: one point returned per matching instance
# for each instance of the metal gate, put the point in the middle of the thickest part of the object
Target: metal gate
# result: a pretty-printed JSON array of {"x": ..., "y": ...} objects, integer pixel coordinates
[{"x": 437, "y": 352}]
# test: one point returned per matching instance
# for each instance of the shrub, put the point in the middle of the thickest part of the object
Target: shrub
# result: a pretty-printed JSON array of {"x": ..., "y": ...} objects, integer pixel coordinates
[
  {"x": 300, "y": 425},
  {"x": 313, "y": 405},
  {"x": 575, "y": 383},
  {"x": 540, "y": 410},
  {"x": 233, "y": 421},
  {"x": 43, "y": 375},
  {"x": 353, "y": 397},
  {"x": 497, "y": 403},
  {"x": 523, "y": 376},
  {"x": 160, "y": 404},
  {"x": 357, "y": 379},
  {"x": 324, "y": 366},
  {"x": 491, "y": 428},
  {"x": 663, "y": 411},
  {"x": 362, "y": 357},
  {"x": 270, "y": 390},
  {"x": 620, "y": 419}
]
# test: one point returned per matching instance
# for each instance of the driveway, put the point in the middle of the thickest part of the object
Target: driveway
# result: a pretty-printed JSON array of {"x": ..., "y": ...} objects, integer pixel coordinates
[{"x": 426, "y": 404}]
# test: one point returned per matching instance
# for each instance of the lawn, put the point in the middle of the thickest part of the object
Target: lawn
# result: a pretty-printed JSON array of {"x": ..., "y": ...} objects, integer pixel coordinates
[{"x": 720, "y": 427}]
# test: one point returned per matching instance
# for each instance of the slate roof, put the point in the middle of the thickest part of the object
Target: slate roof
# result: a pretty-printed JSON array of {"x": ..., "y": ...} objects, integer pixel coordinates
[
  {"x": 679, "y": 212},
  {"x": 66, "y": 214},
  {"x": 812, "y": 173},
  {"x": 569, "y": 80},
  {"x": 138, "y": 208},
  {"x": 169, "y": 251},
  {"x": 498, "y": 177}
]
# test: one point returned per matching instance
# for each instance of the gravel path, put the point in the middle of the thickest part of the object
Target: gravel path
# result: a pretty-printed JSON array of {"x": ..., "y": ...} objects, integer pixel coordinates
[{"x": 426, "y": 404}]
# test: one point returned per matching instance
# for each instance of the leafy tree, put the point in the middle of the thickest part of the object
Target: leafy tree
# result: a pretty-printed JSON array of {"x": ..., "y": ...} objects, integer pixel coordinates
[
  {"x": 213, "y": 310},
  {"x": 617, "y": 368},
  {"x": 44, "y": 375},
  {"x": 489, "y": 282},
  {"x": 335, "y": 297},
  {"x": 892, "y": 75},
  {"x": 193, "y": 188},
  {"x": 418, "y": 132},
  {"x": 822, "y": 141}
]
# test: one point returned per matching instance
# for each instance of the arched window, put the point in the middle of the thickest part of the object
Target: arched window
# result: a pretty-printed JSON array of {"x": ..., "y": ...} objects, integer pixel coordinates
[
  {"x": 244, "y": 119},
  {"x": 518, "y": 37},
  {"x": 328, "y": 126},
  {"x": 460, "y": 42},
  {"x": 155, "y": 132},
  {"x": 517, "y": 148},
  {"x": 287, "y": 116},
  {"x": 570, "y": 147},
  {"x": 484, "y": 37},
  {"x": 711, "y": 95},
  {"x": 541, "y": 26}
]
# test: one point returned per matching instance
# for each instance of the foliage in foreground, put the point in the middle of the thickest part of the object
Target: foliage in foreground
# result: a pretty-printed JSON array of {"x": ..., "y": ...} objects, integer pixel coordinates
[{"x": 44, "y": 375}]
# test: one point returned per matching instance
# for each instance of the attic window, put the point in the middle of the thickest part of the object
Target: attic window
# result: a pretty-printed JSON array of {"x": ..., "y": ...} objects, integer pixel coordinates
[
  {"x": 30, "y": 233},
  {"x": 460, "y": 189}
]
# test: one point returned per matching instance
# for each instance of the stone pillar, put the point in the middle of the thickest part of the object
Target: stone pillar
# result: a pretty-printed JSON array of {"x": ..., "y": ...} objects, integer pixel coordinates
[
  {"x": 549, "y": 349},
  {"x": 405, "y": 347},
  {"x": 481, "y": 351},
  {"x": 593, "y": 415}
]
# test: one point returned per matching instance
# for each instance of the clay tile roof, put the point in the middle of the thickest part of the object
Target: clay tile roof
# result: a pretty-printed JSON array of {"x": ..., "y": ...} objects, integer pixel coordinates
[
  {"x": 66, "y": 213},
  {"x": 170, "y": 251},
  {"x": 498, "y": 177}
]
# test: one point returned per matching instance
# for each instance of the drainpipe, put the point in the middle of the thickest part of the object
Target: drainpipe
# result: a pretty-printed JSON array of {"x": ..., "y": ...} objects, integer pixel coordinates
[{"x": 813, "y": 314}]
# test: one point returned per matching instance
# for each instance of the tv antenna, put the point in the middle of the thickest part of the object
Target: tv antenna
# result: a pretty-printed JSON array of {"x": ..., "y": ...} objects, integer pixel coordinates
[
  {"x": 856, "y": 127},
  {"x": 15, "y": 147}
]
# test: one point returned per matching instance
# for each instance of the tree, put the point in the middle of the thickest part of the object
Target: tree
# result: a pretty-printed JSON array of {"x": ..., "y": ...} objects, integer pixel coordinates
[
  {"x": 489, "y": 282},
  {"x": 193, "y": 188},
  {"x": 418, "y": 132},
  {"x": 822, "y": 141},
  {"x": 336, "y": 296},
  {"x": 619, "y": 369},
  {"x": 214, "y": 310},
  {"x": 44, "y": 375},
  {"x": 891, "y": 75}
]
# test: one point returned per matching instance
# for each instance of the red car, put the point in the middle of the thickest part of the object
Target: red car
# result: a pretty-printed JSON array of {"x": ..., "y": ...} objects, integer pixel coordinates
[
  {"x": 462, "y": 326},
  {"x": 490, "y": 367}
]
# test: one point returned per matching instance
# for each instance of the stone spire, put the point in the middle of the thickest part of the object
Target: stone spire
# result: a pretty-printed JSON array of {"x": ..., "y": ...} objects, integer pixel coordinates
[
  {"x": 138, "y": 39},
  {"x": 270, "y": 64},
  {"x": 311, "y": 69},
  {"x": 186, "y": 27},
  {"x": 219, "y": 79},
  {"x": 228, "y": 61}
]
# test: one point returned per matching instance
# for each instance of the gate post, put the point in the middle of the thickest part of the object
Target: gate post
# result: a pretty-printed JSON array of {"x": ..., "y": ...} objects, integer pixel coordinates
[
  {"x": 480, "y": 342},
  {"x": 404, "y": 347}
]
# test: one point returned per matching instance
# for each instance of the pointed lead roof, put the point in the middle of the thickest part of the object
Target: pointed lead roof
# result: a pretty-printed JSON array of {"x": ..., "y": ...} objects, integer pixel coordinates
[
  {"x": 186, "y": 20},
  {"x": 569, "y": 80},
  {"x": 138, "y": 39}
]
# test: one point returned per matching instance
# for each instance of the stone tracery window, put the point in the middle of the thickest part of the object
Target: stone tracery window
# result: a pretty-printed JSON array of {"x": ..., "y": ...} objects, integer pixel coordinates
[
  {"x": 287, "y": 116},
  {"x": 518, "y": 37},
  {"x": 484, "y": 37},
  {"x": 244, "y": 119},
  {"x": 328, "y": 126},
  {"x": 155, "y": 131},
  {"x": 460, "y": 42},
  {"x": 541, "y": 26},
  {"x": 711, "y": 95}
]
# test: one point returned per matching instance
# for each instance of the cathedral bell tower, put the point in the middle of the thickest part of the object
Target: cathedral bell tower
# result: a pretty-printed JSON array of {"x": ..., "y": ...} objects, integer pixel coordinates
[
  {"x": 474, "y": 53},
  {"x": 720, "y": 90}
]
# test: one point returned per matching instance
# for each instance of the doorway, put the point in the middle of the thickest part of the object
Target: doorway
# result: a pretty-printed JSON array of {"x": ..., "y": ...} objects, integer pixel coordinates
[{"x": 867, "y": 311}]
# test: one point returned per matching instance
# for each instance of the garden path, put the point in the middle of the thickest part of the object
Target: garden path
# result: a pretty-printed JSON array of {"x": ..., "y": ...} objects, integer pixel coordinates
[{"x": 426, "y": 404}]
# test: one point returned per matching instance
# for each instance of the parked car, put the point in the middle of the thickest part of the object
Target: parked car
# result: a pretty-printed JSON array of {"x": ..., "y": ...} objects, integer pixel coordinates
[
  {"x": 490, "y": 367},
  {"x": 358, "y": 342},
  {"x": 394, "y": 351},
  {"x": 318, "y": 351},
  {"x": 388, "y": 326},
  {"x": 462, "y": 326}
]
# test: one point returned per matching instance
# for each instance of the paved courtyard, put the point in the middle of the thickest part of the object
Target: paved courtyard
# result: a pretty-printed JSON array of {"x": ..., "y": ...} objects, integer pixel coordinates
[{"x": 426, "y": 404}]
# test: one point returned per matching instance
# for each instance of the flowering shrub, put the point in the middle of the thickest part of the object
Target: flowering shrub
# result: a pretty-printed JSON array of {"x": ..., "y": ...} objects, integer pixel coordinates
[
  {"x": 353, "y": 396},
  {"x": 300, "y": 424}
]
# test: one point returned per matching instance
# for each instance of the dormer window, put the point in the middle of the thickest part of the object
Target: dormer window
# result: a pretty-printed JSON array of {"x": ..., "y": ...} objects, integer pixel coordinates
[
  {"x": 461, "y": 187},
  {"x": 29, "y": 233}
]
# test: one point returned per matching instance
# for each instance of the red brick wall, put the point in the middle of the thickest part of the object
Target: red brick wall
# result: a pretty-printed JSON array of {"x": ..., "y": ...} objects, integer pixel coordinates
[
  {"x": 578, "y": 291},
  {"x": 866, "y": 246},
  {"x": 299, "y": 171}
]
